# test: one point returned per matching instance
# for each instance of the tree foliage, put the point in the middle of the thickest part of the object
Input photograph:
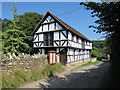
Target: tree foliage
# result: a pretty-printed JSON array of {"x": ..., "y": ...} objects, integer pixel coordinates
[
  {"x": 108, "y": 22},
  {"x": 27, "y": 23},
  {"x": 16, "y": 37},
  {"x": 13, "y": 40},
  {"x": 99, "y": 48}
]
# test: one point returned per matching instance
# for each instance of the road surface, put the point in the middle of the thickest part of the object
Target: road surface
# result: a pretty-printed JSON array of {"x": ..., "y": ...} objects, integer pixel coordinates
[{"x": 92, "y": 76}]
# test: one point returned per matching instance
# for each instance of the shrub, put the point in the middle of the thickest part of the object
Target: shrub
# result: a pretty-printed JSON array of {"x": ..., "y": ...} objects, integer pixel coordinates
[{"x": 18, "y": 78}]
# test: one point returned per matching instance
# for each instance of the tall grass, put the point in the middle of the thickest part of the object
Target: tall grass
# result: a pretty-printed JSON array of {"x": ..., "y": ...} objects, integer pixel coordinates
[{"x": 19, "y": 78}]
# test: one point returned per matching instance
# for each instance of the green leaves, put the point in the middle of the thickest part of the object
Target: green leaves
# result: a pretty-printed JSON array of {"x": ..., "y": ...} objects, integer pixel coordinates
[
  {"x": 13, "y": 41},
  {"x": 99, "y": 48},
  {"x": 16, "y": 36},
  {"x": 107, "y": 12}
]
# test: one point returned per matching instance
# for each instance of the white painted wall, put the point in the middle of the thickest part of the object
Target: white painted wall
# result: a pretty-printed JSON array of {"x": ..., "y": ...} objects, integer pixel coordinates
[
  {"x": 40, "y": 29},
  {"x": 34, "y": 45},
  {"x": 41, "y": 37},
  {"x": 45, "y": 27},
  {"x": 56, "y": 35},
  {"x": 58, "y": 27},
  {"x": 69, "y": 35},
  {"x": 62, "y": 36},
  {"x": 51, "y": 26},
  {"x": 54, "y": 44},
  {"x": 35, "y": 36},
  {"x": 75, "y": 39},
  {"x": 45, "y": 21}
]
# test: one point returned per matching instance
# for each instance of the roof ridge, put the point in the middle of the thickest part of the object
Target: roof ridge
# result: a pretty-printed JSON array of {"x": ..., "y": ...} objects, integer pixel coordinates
[
  {"x": 69, "y": 27},
  {"x": 64, "y": 24}
]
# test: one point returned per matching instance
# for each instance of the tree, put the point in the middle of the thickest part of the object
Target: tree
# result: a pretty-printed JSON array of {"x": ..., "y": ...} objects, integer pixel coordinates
[
  {"x": 99, "y": 48},
  {"x": 27, "y": 22},
  {"x": 6, "y": 24},
  {"x": 13, "y": 41},
  {"x": 108, "y": 22}
]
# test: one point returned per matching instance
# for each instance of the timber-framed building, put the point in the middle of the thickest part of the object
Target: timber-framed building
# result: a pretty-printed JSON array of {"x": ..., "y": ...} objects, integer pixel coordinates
[{"x": 52, "y": 33}]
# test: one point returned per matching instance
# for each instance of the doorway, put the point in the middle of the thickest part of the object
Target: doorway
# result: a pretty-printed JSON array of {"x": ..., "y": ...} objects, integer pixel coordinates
[{"x": 63, "y": 57}]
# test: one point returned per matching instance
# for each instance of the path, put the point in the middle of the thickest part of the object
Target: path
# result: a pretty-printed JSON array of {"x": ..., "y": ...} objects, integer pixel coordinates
[{"x": 92, "y": 76}]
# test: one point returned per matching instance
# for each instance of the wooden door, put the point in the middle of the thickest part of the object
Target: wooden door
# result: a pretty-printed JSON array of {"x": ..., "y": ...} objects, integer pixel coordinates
[{"x": 63, "y": 57}]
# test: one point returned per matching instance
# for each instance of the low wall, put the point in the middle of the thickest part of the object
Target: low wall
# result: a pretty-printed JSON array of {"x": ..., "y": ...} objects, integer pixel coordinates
[
  {"x": 24, "y": 62},
  {"x": 83, "y": 61}
]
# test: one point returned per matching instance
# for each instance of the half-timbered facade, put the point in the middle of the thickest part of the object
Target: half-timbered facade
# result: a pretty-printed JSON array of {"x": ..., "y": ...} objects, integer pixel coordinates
[{"x": 52, "y": 33}]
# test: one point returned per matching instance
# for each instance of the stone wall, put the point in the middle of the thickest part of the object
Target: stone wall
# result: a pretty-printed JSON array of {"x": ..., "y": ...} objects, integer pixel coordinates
[{"x": 24, "y": 62}]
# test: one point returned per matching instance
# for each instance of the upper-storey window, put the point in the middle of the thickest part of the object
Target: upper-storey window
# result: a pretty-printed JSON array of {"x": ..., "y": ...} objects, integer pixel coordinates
[
  {"x": 48, "y": 19},
  {"x": 48, "y": 39}
]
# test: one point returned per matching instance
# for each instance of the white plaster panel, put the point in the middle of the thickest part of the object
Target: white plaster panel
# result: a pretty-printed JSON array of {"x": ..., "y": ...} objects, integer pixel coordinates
[
  {"x": 75, "y": 39},
  {"x": 62, "y": 36},
  {"x": 40, "y": 29},
  {"x": 51, "y": 26},
  {"x": 45, "y": 21},
  {"x": 56, "y": 35},
  {"x": 35, "y": 36},
  {"x": 69, "y": 35},
  {"x": 42, "y": 45},
  {"x": 41, "y": 37},
  {"x": 68, "y": 58},
  {"x": 58, "y": 27},
  {"x": 45, "y": 27},
  {"x": 34, "y": 45},
  {"x": 54, "y": 44},
  {"x": 65, "y": 44}
]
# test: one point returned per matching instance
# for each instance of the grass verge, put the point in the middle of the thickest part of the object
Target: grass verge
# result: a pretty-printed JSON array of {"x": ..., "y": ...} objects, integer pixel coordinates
[
  {"x": 86, "y": 64},
  {"x": 19, "y": 78}
]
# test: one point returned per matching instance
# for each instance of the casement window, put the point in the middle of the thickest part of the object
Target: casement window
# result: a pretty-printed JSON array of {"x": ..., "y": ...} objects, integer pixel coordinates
[{"x": 48, "y": 39}]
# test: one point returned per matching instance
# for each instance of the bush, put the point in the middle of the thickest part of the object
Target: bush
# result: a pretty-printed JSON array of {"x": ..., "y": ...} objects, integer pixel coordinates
[{"x": 18, "y": 78}]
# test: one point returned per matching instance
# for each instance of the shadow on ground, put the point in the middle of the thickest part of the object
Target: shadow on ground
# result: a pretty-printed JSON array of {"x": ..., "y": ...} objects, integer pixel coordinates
[{"x": 82, "y": 78}]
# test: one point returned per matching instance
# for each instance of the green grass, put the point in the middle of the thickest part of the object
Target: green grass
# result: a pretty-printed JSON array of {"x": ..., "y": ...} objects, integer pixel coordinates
[
  {"x": 90, "y": 63},
  {"x": 86, "y": 64},
  {"x": 72, "y": 64},
  {"x": 19, "y": 78}
]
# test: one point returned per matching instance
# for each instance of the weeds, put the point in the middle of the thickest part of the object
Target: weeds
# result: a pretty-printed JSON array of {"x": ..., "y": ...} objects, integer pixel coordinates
[
  {"x": 18, "y": 78},
  {"x": 86, "y": 64}
]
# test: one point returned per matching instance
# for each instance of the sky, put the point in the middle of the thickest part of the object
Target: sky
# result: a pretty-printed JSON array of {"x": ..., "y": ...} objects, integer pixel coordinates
[{"x": 70, "y": 12}]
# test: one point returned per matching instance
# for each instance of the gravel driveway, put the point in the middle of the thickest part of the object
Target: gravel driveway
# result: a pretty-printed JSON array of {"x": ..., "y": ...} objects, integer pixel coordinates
[{"x": 92, "y": 76}]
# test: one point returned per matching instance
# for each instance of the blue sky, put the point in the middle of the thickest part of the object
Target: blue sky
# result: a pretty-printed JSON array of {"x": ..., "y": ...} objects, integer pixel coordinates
[{"x": 70, "y": 12}]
